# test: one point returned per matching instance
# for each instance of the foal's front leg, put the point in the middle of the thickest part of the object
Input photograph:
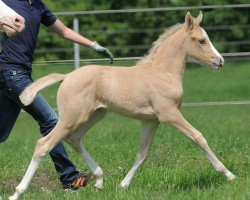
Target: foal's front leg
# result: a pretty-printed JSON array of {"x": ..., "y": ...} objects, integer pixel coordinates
[
  {"x": 176, "y": 120},
  {"x": 147, "y": 135}
]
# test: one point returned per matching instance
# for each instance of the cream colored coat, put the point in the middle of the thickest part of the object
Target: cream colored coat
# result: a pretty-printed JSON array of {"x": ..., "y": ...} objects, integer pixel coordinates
[{"x": 150, "y": 91}]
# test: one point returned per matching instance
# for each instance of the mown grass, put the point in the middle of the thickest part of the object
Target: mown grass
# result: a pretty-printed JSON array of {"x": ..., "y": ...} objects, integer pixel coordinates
[{"x": 175, "y": 169}]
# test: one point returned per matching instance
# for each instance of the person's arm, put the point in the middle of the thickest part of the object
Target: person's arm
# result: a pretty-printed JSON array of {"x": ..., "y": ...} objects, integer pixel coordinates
[{"x": 73, "y": 36}]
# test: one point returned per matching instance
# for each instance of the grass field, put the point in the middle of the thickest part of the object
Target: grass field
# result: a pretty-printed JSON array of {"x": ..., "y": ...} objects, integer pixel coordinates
[{"x": 175, "y": 169}]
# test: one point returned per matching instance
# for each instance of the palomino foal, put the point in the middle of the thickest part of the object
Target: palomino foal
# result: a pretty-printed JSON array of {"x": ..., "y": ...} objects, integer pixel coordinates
[
  {"x": 10, "y": 22},
  {"x": 150, "y": 91}
]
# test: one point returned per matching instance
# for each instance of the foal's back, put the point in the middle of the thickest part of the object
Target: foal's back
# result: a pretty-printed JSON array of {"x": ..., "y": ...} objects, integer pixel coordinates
[{"x": 125, "y": 90}]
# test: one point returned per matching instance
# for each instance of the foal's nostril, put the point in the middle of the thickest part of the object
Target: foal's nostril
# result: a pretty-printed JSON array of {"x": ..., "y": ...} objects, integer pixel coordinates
[{"x": 19, "y": 20}]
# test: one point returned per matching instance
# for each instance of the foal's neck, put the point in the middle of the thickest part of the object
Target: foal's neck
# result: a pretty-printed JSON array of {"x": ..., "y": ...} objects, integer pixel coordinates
[{"x": 171, "y": 57}]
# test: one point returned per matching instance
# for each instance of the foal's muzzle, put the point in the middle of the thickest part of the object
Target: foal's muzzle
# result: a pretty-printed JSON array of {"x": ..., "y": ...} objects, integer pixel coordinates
[
  {"x": 218, "y": 62},
  {"x": 12, "y": 25},
  {"x": 19, "y": 24}
]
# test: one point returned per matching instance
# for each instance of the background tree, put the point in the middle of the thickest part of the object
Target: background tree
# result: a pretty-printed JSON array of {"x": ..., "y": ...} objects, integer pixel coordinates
[{"x": 131, "y": 34}]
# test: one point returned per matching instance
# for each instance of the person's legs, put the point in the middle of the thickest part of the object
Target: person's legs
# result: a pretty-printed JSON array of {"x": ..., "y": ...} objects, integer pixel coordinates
[
  {"x": 16, "y": 81},
  {"x": 9, "y": 112}
]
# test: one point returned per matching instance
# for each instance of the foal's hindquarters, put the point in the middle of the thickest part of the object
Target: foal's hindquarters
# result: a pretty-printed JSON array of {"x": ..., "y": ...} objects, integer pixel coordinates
[{"x": 77, "y": 114}]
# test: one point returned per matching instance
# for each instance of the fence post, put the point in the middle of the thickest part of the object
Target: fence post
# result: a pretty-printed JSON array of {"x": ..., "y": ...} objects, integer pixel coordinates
[{"x": 76, "y": 46}]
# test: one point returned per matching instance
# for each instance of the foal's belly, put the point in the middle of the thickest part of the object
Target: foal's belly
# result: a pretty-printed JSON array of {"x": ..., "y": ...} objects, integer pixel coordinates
[{"x": 131, "y": 110}]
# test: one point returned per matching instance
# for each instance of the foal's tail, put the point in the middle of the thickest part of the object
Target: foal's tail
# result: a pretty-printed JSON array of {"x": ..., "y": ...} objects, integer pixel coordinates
[{"x": 30, "y": 93}]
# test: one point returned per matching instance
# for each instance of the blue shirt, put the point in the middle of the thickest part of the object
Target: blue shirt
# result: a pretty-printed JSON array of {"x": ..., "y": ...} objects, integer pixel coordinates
[{"x": 18, "y": 51}]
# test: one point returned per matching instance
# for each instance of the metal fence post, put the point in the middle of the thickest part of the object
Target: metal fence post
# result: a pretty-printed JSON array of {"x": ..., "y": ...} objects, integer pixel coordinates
[{"x": 76, "y": 46}]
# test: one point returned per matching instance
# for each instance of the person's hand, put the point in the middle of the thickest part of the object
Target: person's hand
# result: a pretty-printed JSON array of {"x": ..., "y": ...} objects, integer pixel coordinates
[{"x": 103, "y": 51}]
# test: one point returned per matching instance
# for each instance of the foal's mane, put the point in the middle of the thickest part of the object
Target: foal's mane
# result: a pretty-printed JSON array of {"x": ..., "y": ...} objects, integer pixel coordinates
[{"x": 153, "y": 51}]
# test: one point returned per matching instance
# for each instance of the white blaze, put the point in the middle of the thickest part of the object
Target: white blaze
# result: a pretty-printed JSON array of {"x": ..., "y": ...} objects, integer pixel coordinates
[{"x": 211, "y": 45}]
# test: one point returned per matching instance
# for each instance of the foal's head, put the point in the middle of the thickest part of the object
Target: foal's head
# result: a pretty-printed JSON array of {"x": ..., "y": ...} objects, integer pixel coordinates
[{"x": 198, "y": 45}]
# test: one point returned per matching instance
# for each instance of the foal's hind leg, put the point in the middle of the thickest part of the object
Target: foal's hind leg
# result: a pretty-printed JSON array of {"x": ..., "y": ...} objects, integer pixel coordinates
[
  {"x": 75, "y": 141},
  {"x": 147, "y": 135},
  {"x": 176, "y": 120},
  {"x": 43, "y": 147}
]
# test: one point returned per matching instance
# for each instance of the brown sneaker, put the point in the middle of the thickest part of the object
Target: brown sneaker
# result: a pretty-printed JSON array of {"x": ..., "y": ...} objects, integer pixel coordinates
[{"x": 81, "y": 181}]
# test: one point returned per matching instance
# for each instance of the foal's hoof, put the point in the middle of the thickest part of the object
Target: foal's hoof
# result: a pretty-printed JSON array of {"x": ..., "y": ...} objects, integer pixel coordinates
[
  {"x": 99, "y": 185},
  {"x": 231, "y": 177},
  {"x": 13, "y": 198},
  {"x": 124, "y": 185}
]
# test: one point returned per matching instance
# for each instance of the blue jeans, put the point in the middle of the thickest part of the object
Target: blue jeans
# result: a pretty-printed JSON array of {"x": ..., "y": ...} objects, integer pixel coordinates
[{"x": 12, "y": 83}]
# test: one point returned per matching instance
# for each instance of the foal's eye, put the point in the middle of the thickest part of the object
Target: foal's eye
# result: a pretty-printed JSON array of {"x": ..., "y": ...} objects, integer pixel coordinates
[{"x": 202, "y": 42}]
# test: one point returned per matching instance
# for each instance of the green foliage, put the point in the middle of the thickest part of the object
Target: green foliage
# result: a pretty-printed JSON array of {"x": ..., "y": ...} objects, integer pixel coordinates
[{"x": 121, "y": 33}]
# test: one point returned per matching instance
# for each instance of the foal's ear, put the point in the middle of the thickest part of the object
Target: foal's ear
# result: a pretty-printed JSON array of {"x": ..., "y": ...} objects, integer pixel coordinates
[
  {"x": 189, "y": 21},
  {"x": 199, "y": 18}
]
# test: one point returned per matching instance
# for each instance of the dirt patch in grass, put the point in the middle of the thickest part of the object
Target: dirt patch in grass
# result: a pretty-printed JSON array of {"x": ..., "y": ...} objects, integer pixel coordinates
[{"x": 42, "y": 180}]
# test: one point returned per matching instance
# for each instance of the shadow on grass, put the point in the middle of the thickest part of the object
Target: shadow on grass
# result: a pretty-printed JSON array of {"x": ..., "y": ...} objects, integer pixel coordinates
[{"x": 197, "y": 182}]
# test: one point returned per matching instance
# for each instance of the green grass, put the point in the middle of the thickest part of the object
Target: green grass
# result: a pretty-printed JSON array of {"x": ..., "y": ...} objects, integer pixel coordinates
[
  {"x": 231, "y": 83},
  {"x": 175, "y": 169}
]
